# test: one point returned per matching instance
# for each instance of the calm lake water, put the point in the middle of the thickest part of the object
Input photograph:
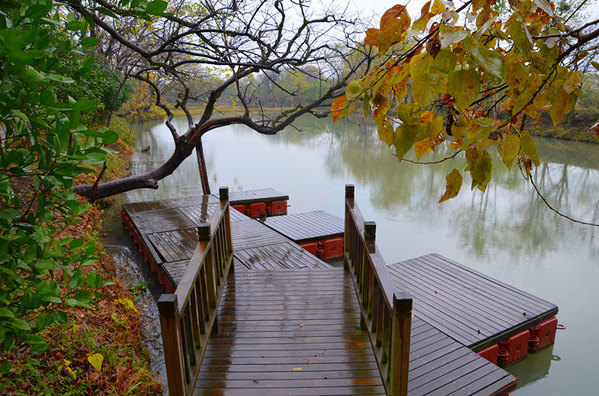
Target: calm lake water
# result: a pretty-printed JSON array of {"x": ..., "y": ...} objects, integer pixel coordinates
[{"x": 507, "y": 233}]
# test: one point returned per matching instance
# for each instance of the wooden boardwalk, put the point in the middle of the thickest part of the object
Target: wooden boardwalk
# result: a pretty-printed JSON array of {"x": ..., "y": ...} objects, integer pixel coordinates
[
  {"x": 288, "y": 323},
  {"x": 289, "y": 333},
  {"x": 298, "y": 333}
]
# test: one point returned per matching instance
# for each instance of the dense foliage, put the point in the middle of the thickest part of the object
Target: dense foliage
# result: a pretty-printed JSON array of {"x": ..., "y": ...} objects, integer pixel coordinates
[
  {"x": 471, "y": 77},
  {"x": 49, "y": 79}
]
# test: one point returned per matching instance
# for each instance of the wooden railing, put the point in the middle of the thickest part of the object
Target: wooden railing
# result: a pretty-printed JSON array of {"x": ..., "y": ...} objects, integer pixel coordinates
[
  {"x": 189, "y": 315},
  {"x": 386, "y": 312}
]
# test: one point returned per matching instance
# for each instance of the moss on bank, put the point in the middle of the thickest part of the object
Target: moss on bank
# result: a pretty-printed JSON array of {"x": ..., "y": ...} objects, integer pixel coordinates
[{"x": 99, "y": 351}]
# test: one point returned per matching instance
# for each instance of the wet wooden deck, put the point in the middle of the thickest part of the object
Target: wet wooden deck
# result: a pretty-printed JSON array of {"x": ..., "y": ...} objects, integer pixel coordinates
[
  {"x": 289, "y": 323},
  {"x": 289, "y": 333},
  {"x": 472, "y": 308},
  {"x": 308, "y": 226},
  {"x": 298, "y": 333},
  {"x": 167, "y": 229},
  {"x": 253, "y": 196}
]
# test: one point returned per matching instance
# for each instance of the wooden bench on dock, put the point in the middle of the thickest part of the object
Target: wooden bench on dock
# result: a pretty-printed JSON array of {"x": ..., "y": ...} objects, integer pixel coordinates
[{"x": 252, "y": 313}]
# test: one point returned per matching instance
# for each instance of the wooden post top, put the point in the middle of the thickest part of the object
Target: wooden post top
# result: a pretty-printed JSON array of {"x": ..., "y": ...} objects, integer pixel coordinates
[
  {"x": 168, "y": 304},
  {"x": 402, "y": 302},
  {"x": 223, "y": 193},
  {"x": 204, "y": 232},
  {"x": 349, "y": 191},
  {"x": 369, "y": 230}
]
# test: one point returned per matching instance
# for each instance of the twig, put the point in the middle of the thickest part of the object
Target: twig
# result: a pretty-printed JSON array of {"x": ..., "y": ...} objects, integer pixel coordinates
[
  {"x": 429, "y": 162},
  {"x": 549, "y": 205}
]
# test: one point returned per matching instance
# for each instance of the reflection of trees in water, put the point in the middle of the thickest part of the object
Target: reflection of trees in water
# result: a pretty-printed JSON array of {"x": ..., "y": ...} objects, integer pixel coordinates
[{"x": 510, "y": 216}]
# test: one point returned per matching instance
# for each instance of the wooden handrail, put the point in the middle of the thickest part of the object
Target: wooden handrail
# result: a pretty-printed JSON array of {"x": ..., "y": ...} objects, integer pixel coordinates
[
  {"x": 189, "y": 315},
  {"x": 386, "y": 312}
]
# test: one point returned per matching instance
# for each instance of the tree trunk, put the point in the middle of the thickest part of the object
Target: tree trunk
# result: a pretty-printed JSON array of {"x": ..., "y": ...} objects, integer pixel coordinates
[{"x": 202, "y": 168}]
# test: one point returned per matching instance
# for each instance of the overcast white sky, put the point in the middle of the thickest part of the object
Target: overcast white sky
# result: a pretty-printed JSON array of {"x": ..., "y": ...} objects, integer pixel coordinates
[{"x": 378, "y": 7}]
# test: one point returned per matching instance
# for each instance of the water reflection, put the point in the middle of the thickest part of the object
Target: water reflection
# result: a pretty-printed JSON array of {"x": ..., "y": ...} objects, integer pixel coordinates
[{"x": 507, "y": 233}]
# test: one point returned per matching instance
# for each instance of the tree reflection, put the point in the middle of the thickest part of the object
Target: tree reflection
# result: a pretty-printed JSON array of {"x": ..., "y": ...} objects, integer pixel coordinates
[{"x": 509, "y": 216}]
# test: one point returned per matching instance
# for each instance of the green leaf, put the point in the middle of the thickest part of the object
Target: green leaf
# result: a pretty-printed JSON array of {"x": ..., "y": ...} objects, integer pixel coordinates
[
  {"x": 386, "y": 132},
  {"x": 156, "y": 7},
  {"x": 5, "y": 367},
  {"x": 96, "y": 360},
  {"x": 595, "y": 65},
  {"x": 37, "y": 11},
  {"x": 127, "y": 303},
  {"x": 529, "y": 147},
  {"x": 464, "y": 86},
  {"x": 6, "y": 313},
  {"x": 76, "y": 280},
  {"x": 508, "y": 149},
  {"x": 20, "y": 324},
  {"x": 545, "y": 6},
  {"x": 89, "y": 41},
  {"x": 109, "y": 137},
  {"x": 561, "y": 105},
  {"x": 59, "y": 78},
  {"x": 490, "y": 60},
  {"x": 451, "y": 35},
  {"x": 90, "y": 281},
  {"x": 32, "y": 75},
  {"x": 44, "y": 320},
  {"x": 480, "y": 166},
  {"x": 38, "y": 344},
  {"x": 85, "y": 105},
  {"x": 454, "y": 184},
  {"x": 353, "y": 90},
  {"x": 521, "y": 36},
  {"x": 404, "y": 139},
  {"x": 573, "y": 81},
  {"x": 427, "y": 82}
]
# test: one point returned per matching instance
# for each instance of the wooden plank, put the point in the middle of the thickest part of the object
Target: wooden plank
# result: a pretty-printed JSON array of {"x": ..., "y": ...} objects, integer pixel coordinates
[
  {"x": 161, "y": 220},
  {"x": 192, "y": 201},
  {"x": 285, "y": 255},
  {"x": 139, "y": 207},
  {"x": 260, "y": 195},
  {"x": 333, "y": 391},
  {"x": 238, "y": 216},
  {"x": 199, "y": 213},
  {"x": 251, "y": 234},
  {"x": 302, "y": 227}
]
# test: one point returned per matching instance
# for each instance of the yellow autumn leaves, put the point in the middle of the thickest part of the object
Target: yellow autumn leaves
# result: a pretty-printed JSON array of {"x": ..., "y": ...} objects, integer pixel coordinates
[{"x": 444, "y": 77}]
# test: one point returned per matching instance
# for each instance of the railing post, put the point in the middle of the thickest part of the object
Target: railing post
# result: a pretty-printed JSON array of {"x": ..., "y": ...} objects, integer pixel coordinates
[
  {"x": 349, "y": 191},
  {"x": 370, "y": 235},
  {"x": 170, "y": 322},
  {"x": 223, "y": 193},
  {"x": 400, "y": 343},
  {"x": 349, "y": 195},
  {"x": 224, "y": 199},
  {"x": 204, "y": 232}
]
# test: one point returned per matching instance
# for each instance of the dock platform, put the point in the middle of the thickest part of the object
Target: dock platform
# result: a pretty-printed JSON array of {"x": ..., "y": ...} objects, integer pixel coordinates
[
  {"x": 166, "y": 233},
  {"x": 289, "y": 323},
  {"x": 472, "y": 308},
  {"x": 308, "y": 226}
]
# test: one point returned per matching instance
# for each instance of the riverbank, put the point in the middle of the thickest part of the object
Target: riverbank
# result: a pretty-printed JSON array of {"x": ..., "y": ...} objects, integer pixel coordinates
[
  {"x": 576, "y": 126},
  {"x": 98, "y": 351}
]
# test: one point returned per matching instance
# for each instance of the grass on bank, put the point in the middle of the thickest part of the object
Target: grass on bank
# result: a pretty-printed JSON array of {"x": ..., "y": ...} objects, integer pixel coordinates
[{"x": 98, "y": 351}]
